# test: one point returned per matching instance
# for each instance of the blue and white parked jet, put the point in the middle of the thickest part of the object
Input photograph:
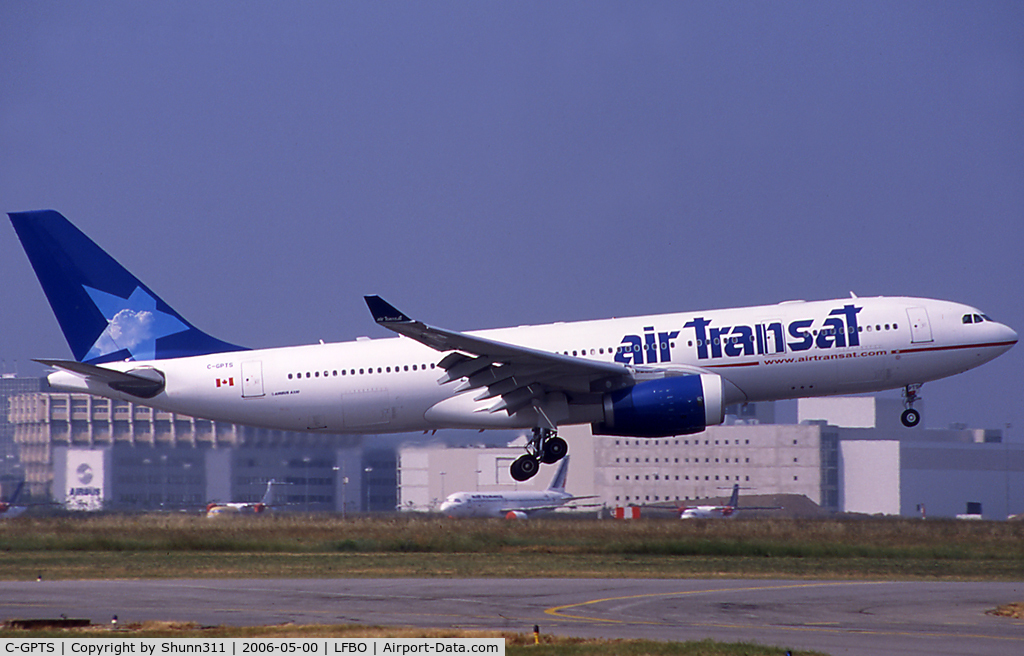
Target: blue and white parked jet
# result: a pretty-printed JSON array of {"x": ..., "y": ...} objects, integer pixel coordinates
[
  {"x": 729, "y": 510},
  {"x": 649, "y": 376}
]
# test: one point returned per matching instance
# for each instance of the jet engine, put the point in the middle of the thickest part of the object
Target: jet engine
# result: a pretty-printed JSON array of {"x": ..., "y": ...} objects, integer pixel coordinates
[
  {"x": 515, "y": 514},
  {"x": 677, "y": 405}
]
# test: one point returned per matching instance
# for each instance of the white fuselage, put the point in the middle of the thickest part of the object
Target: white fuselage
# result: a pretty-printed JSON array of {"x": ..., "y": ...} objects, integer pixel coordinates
[
  {"x": 231, "y": 509},
  {"x": 708, "y": 512},
  {"x": 499, "y": 504},
  {"x": 8, "y": 511},
  {"x": 789, "y": 350}
]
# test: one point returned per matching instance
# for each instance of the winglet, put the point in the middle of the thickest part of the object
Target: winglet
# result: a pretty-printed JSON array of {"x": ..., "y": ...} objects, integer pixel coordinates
[{"x": 384, "y": 312}]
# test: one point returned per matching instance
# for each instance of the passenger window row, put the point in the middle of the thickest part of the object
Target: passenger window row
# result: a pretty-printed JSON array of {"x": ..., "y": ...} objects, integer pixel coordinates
[
  {"x": 968, "y": 318},
  {"x": 621, "y": 349},
  {"x": 584, "y": 352},
  {"x": 360, "y": 372}
]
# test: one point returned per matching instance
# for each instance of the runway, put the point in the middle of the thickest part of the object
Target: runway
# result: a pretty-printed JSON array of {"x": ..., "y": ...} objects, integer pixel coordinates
[{"x": 835, "y": 617}]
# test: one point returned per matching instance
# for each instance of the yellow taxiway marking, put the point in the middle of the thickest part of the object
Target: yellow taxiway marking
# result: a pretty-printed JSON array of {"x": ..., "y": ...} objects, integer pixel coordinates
[{"x": 558, "y": 612}]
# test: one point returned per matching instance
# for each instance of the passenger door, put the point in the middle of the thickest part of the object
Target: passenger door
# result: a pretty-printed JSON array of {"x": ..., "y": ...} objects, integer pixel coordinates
[
  {"x": 252, "y": 379},
  {"x": 920, "y": 328}
]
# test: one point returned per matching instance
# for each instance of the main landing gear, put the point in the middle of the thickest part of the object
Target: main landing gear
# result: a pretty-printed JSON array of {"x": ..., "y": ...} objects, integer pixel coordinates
[
  {"x": 911, "y": 417},
  {"x": 545, "y": 446}
]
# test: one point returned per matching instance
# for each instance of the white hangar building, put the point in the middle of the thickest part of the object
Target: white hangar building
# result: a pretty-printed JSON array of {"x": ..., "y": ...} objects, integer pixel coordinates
[{"x": 887, "y": 469}]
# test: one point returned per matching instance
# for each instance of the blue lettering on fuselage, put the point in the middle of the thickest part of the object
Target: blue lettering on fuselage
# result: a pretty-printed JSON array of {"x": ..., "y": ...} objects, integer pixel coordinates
[
  {"x": 650, "y": 348},
  {"x": 839, "y": 330}
]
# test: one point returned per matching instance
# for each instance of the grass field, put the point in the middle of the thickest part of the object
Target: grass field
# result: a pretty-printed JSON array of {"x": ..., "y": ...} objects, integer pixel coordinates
[
  {"x": 322, "y": 546},
  {"x": 293, "y": 545}
]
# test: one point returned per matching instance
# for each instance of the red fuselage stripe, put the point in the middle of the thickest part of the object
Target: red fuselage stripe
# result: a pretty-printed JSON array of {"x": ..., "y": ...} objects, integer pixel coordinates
[{"x": 954, "y": 348}]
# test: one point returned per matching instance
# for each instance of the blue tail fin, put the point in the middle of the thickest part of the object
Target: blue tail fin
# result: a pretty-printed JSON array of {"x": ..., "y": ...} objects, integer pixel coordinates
[
  {"x": 268, "y": 496},
  {"x": 561, "y": 474},
  {"x": 106, "y": 314},
  {"x": 734, "y": 500},
  {"x": 17, "y": 493}
]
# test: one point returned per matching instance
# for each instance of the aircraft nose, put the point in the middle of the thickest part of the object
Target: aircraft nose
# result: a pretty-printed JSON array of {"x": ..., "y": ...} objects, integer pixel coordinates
[
  {"x": 1003, "y": 338},
  {"x": 1007, "y": 335}
]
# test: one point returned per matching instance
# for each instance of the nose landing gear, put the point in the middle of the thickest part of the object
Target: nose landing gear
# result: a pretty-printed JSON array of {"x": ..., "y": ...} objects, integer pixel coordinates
[
  {"x": 911, "y": 417},
  {"x": 545, "y": 446}
]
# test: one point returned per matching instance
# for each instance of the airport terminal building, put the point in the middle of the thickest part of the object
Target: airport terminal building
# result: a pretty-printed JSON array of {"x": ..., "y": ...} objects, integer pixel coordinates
[
  {"x": 89, "y": 453},
  {"x": 846, "y": 454},
  {"x": 12, "y": 469}
]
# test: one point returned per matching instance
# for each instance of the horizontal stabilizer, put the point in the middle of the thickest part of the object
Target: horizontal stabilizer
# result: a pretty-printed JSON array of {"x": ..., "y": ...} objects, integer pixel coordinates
[{"x": 144, "y": 382}]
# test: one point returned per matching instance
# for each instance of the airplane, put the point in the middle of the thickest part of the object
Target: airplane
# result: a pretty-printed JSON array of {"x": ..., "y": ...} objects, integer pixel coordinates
[
  {"x": 518, "y": 504},
  {"x": 648, "y": 376},
  {"x": 8, "y": 509},
  {"x": 217, "y": 509},
  {"x": 720, "y": 512}
]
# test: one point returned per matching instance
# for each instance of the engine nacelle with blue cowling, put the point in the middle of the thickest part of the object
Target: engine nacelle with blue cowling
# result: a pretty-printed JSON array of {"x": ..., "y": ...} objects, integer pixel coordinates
[{"x": 677, "y": 405}]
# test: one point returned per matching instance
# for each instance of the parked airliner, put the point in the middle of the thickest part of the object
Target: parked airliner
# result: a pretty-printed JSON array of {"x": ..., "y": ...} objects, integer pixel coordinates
[
  {"x": 517, "y": 504},
  {"x": 647, "y": 376},
  {"x": 218, "y": 509},
  {"x": 720, "y": 512},
  {"x": 9, "y": 509}
]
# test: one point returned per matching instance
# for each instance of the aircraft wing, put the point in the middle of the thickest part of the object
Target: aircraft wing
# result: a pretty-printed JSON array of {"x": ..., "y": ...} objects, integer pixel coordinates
[
  {"x": 589, "y": 496},
  {"x": 593, "y": 504},
  {"x": 517, "y": 374},
  {"x": 567, "y": 503},
  {"x": 674, "y": 505},
  {"x": 531, "y": 509}
]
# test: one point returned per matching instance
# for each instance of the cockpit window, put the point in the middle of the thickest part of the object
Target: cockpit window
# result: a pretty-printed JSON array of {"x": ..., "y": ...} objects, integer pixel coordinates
[{"x": 976, "y": 318}]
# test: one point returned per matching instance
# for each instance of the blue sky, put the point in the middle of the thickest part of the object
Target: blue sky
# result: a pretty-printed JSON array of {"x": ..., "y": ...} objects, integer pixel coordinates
[{"x": 263, "y": 165}]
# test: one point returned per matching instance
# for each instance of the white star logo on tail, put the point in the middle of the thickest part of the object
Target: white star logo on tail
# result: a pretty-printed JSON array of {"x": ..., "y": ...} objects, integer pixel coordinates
[{"x": 133, "y": 323}]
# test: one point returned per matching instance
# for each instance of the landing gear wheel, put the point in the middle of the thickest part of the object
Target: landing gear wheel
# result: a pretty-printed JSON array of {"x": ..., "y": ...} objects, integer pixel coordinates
[
  {"x": 910, "y": 417},
  {"x": 524, "y": 467},
  {"x": 554, "y": 449},
  {"x": 543, "y": 446}
]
